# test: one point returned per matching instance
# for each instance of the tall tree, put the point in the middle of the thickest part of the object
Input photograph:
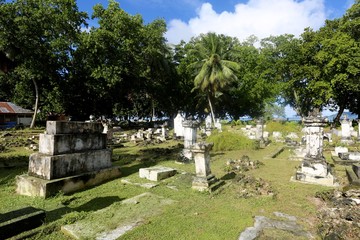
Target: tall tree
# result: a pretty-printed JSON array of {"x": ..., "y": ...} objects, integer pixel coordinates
[
  {"x": 213, "y": 68},
  {"x": 40, "y": 36},
  {"x": 125, "y": 64}
]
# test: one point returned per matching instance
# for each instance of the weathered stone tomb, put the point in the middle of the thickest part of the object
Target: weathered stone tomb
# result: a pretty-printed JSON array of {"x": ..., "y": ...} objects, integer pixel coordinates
[
  {"x": 72, "y": 156},
  {"x": 314, "y": 168}
]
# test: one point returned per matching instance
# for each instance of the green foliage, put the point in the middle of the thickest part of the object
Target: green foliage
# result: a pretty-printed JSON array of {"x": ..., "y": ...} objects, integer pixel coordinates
[
  {"x": 227, "y": 141},
  {"x": 283, "y": 127}
]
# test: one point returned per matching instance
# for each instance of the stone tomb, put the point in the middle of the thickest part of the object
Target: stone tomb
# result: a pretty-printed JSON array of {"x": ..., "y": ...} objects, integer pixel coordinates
[
  {"x": 72, "y": 156},
  {"x": 314, "y": 168}
]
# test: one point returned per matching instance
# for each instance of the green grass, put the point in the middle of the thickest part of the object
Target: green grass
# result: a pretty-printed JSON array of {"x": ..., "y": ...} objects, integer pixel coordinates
[
  {"x": 195, "y": 215},
  {"x": 228, "y": 141}
]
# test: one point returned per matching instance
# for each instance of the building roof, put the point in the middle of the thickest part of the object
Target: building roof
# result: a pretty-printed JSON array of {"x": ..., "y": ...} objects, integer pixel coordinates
[{"x": 11, "y": 108}]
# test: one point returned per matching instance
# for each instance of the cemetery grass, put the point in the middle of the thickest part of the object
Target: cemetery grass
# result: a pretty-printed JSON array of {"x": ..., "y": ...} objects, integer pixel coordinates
[{"x": 223, "y": 214}]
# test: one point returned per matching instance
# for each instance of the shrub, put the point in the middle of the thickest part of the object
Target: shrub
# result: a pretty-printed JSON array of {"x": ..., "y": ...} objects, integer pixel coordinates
[
  {"x": 283, "y": 127},
  {"x": 227, "y": 141}
]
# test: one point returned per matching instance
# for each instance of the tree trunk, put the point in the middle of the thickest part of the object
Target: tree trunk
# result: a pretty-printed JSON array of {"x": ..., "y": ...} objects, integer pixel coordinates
[
  {"x": 32, "y": 125},
  {"x": 211, "y": 109},
  {"x": 338, "y": 116}
]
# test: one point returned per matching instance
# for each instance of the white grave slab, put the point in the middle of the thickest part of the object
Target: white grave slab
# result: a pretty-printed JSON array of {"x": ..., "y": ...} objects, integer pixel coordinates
[{"x": 156, "y": 173}]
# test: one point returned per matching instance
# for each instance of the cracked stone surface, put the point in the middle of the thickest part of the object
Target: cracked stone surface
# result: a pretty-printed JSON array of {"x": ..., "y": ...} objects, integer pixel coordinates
[{"x": 288, "y": 224}]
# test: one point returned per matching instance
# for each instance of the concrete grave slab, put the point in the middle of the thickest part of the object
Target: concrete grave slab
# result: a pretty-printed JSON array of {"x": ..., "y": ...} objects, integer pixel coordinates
[{"x": 156, "y": 173}]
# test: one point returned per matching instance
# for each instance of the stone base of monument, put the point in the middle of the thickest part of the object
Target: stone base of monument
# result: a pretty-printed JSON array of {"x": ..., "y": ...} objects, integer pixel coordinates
[
  {"x": 315, "y": 173},
  {"x": 21, "y": 220},
  {"x": 186, "y": 156},
  {"x": 208, "y": 184},
  {"x": 156, "y": 173},
  {"x": 33, "y": 186},
  {"x": 298, "y": 154}
]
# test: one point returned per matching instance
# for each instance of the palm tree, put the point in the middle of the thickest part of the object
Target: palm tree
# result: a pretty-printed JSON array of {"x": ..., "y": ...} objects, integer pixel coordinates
[{"x": 213, "y": 69}]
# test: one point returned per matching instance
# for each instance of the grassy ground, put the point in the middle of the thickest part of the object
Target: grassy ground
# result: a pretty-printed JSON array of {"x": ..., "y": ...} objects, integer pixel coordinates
[{"x": 195, "y": 215}]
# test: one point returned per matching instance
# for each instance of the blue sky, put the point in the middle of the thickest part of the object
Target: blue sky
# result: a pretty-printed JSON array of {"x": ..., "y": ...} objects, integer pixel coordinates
[{"x": 238, "y": 18}]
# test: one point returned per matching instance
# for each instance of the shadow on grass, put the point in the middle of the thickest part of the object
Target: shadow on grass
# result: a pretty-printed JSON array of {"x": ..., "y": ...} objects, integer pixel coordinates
[
  {"x": 216, "y": 154},
  {"x": 128, "y": 170},
  {"x": 7, "y": 175},
  {"x": 228, "y": 176},
  {"x": 92, "y": 205}
]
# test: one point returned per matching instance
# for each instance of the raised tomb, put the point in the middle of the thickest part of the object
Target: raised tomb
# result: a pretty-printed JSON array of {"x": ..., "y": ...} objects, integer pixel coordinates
[{"x": 72, "y": 156}]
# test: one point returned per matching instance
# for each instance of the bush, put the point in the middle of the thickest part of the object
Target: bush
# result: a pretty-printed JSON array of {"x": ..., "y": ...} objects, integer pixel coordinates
[
  {"x": 283, "y": 127},
  {"x": 227, "y": 141}
]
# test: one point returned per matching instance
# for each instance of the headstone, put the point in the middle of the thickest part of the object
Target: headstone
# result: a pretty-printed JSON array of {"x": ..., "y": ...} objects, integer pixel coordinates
[
  {"x": 190, "y": 137},
  {"x": 346, "y": 131},
  {"x": 314, "y": 168},
  {"x": 208, "y": 125},
  {"x": 72, "y": 156},
  {"x": 208, "y": 122},
  {"x": 203, "y": 179},
  {"x": 218, "y": 125},
  {"x": 178, "y": 127},
  {"x": 164, "y": 133}
]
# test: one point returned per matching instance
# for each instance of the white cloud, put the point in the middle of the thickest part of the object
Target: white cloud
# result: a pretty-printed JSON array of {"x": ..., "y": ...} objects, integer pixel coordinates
[{"x": 261, "y": 18}]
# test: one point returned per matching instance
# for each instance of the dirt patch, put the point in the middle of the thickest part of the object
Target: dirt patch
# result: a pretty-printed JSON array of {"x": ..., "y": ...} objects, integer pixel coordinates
[
  {"x": 248, "y": 186},
  {"x": 339, "y": 217}
]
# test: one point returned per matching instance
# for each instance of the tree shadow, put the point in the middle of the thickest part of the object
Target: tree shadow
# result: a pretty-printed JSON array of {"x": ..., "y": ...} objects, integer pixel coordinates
[
  {"x": 90, "y": 206},
  {"x": 216, "y": 154},
  {"x": 228, "y": 176}
]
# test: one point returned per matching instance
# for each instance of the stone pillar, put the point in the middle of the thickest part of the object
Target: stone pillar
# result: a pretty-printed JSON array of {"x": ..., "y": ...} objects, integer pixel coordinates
[
  {"x": 190, "y": 132},
  {"x": 203, "y": 179},
  {"x": 72, "y": 156},
  {"x": 259, "y": 129},
  {"x": 260, "y": 132},
  {"x": 314, "y": 168}
]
